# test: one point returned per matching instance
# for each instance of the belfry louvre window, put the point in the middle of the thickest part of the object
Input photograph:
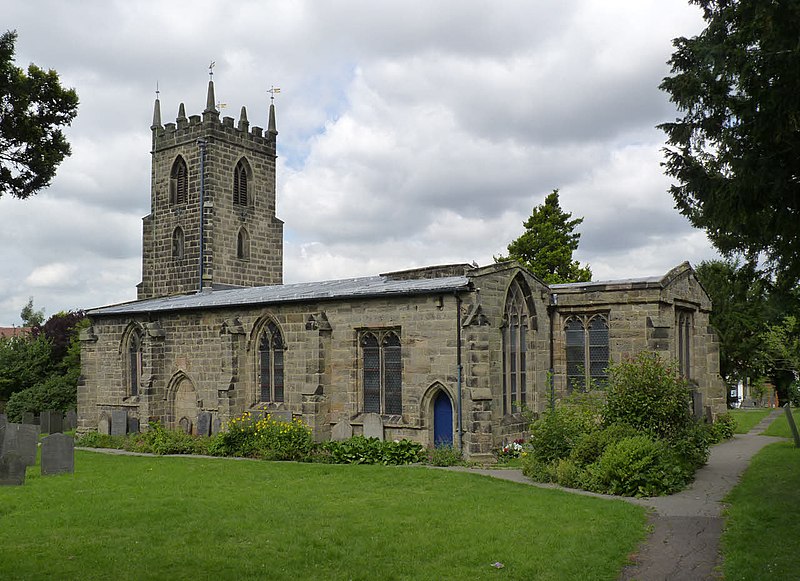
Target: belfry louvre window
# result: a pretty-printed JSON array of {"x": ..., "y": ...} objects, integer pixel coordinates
[
  {"x": 134, "y": 361},
  {"x": 587, "y": 352},
  {"x": 515, "y": 350},
  {"x": 240, "y": 184},
  {"x": 178, "y": 182},
  {"x": 270, "y": 358},
  {"x": 382, "y": 372},
  {"x": 684, "y": 333}
]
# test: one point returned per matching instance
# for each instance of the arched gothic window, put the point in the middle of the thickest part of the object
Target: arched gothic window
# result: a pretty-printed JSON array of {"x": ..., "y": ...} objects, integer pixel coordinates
[
  {"x": 243, "y": 245},
  {"x": 587, "y": 352},
  {"x": 133, "y": 363},
  {"x": 515, "y": 349},
  {"x": 270, "y": 358},
  {"x": 177, "y": 243},
  {"x": 178, "y": 182},
  {"x": 240, "y": 196},
  {"x": 382, "y": 372}
]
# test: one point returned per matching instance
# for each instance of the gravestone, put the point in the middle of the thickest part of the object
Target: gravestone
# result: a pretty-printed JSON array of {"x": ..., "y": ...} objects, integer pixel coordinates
[
  {"x": 119, "y": 422},
  {"x": 21, "y": 439},
  {"x": 256, "y": 415},
  {"x": 133, "y": 425},
  {"x": 185, "y": 425},
  {"x": 3, "y": 419},
  {"x": 104, "y": 424},
  {"x": 373, "y": 426},
  {"x": 70, "y": 420},
  {"x": 12, "y": 470},
  {"x": 204, "y": 424},
  {"x": 2, "y": 436},
  {"x": 281, "y": 416},
  {"x": 697, "y": 404},
  {"x": 51, "y": 422},
  {"x": 27, "y": 418},
  {"x": 216, "y": 426},
  {"x": 58, "y": 454},
  {"x": 342, "y": 431}
]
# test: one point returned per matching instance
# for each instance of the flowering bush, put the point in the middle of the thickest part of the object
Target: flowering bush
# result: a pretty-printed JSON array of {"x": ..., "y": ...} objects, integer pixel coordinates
[
  {"x": 264, "y": 438},
  {"x": 511, "y": 450}
]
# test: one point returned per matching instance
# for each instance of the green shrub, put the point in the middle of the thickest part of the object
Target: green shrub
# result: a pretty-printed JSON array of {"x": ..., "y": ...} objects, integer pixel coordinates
[
  {"x": 636, "y": 466},
  {"x": 567, "y": 473},
  {"x": 692, "y": 445},
  {"x": 58, "y": 392},
  {"x": 724, "y": 427},
  {"x": 591, "y": 445},
  {"x": 159, "y": 440},
  {"x": 98, "y": 440},
  {"x": 649, "y": 395},
  {"x": 539, "y": 471},
  {"x": 361, "y": 450},
  {"x": 445, "y": 456},
  {"x": 555, "y": 434}
]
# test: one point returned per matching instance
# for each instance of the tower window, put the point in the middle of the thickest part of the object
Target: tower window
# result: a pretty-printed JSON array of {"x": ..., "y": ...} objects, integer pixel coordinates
[
  {"x": 178, "y": 182},
  {"x": 382, "y": 372},
  {"x": 243, "y": 245},
  {"x": 270, "y": 359},
  {"x": 240, "y": 184},
  {"x": 177, "y": 243}
]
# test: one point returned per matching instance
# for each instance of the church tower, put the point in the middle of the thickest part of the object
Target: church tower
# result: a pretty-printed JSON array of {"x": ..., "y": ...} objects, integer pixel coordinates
[{"x": 212, "y": 220}]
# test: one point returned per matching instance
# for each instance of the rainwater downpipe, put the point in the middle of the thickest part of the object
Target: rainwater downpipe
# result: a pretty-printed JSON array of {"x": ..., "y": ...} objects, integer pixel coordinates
[
  {"x": 202, "y": 144},
  {"x": 459, "y": 369}
]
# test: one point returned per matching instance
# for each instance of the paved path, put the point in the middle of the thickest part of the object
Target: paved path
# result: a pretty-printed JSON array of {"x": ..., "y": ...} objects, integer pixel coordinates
[{"x": 687, "y": 526}]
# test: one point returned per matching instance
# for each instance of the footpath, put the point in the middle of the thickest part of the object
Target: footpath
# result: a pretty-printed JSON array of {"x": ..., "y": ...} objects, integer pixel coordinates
[{"x": 686, "y": 527}]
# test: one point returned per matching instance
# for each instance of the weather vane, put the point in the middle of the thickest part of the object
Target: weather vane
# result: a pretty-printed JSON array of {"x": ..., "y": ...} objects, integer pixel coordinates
[
  {"x": 273, "y": 91},
  {"x": 157, "y": 91},
  {"x": 211, "y": 70}
]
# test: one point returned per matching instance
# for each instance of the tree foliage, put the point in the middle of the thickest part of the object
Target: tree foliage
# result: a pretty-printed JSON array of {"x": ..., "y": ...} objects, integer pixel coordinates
[
  {"x": 33, "y": 109},
  {"x": 31, "y": 317},
  {"x": 546, "y": 246},
  {"x": 740, "y": 296},
  {"x": 735, "y": 153}
]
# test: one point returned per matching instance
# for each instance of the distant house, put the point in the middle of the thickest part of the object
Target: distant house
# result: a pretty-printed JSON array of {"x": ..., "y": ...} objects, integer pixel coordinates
[
  {"x": 6, "y": 332},
  {"x": 443, "y": 354}
]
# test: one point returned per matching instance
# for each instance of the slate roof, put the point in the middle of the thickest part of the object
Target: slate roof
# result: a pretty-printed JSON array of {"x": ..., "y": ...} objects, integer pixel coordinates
[
  {"x": 618, "y": 283},
  {"x": 364, "y": 287}
]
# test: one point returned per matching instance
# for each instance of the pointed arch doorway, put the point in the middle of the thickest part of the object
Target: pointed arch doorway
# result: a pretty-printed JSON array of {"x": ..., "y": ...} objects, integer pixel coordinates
[{"x": 442, "y": 420}]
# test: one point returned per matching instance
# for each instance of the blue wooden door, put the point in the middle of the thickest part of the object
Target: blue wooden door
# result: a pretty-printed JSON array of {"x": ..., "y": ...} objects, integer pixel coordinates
[{"x": 442, "y": 420}]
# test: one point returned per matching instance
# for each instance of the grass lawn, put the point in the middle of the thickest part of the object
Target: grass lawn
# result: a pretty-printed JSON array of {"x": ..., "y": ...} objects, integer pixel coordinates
[
  {"x": 129, "y": 517},
  {"x": 747, "y": 419},
  {"x": 780, "y": 427},
  {"x": 762, "y": 536}
]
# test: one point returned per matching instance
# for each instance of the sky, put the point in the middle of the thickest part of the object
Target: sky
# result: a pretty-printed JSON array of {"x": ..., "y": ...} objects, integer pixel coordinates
[{"x": 410, "y": 133}]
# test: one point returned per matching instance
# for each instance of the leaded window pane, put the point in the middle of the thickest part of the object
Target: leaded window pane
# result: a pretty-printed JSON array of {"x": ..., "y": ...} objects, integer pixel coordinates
[
  {"x": 523, "y": 351},
  {"x": 393, "y": 372},
  {"x": 598, "y": 351},
  {"x": 372, "y": 374},
  {"x": 265, "y": 366},
  {"x": 576, "y": 351}
]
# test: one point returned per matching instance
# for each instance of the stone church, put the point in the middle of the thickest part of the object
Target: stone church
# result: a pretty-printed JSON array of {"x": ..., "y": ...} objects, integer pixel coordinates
[{"x": 442, "y": 354}]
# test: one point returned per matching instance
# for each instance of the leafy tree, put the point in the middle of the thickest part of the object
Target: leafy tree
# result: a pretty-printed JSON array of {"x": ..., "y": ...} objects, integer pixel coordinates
[
  {"x": 782, "y": 350},
  {"x": 735, "y": 153},
  {"x": 30, "y": 317},
  {"x": 60, "y": 329},
  {"x": 546, "y": 246},
  {"x": 24, "y": 362},
  {"x": 740, "y": 296},
  {"x": 33, "y": 109}
]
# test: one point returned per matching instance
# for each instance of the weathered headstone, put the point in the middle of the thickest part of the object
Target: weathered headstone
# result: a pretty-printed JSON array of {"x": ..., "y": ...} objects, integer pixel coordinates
[
  {"x": 21, "y": 439},
  {"x": 104, "y": 424},
  {"x": 119, "y": 422},
  {"x": 216, "y": 426},
  {"x": 342, "y": 431},
  {"x": 373, "y": 426},
  {"x": 185, "y": 425},
  {"x": 27, "y": 418},
  {"x": 70, "y": 420},
  {"x": 2, "y": 436},
  {"x": 204, "y": 424},
  {"x": 3, "y": 419},
  {"x": 12, "y": 470},
  {"x": 697, "y": 404},
  {"x": 133, "y": 425},
  {"x": 58, "y": 454},
  {"x": 281, "y": 416},
  {"x": 51, "y": 422}
]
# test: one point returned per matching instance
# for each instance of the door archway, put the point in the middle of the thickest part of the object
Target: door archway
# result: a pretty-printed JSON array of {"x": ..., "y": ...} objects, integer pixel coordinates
[{"x": 442, "y": 420}]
